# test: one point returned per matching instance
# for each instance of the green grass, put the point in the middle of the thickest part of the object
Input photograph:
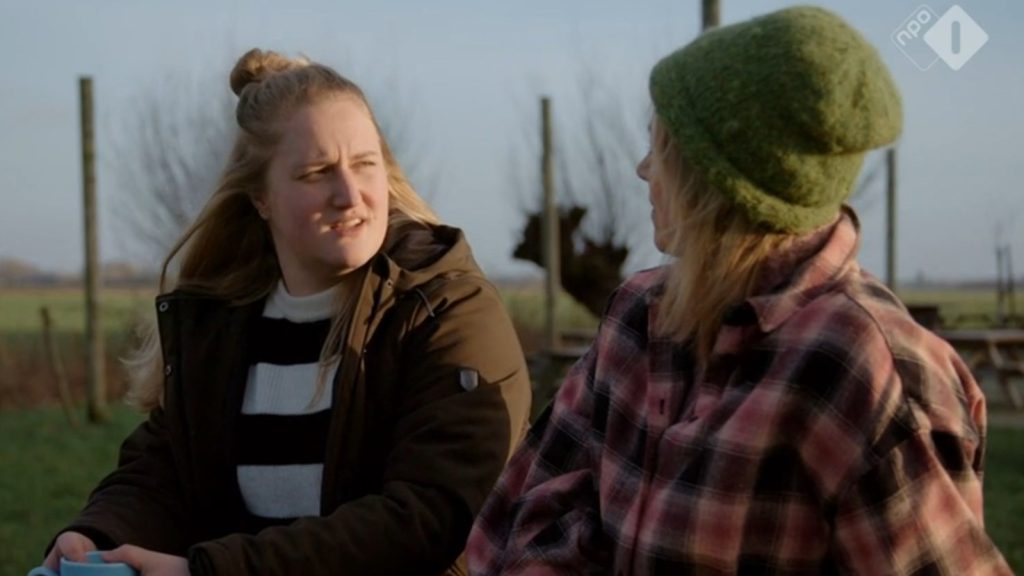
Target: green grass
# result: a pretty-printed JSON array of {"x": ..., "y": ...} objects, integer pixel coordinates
[
  {"x": 961, "y": 308},
  {"x": 49, "y": 469},
  {"x": 1004, "y": 493},
  {"x": 526, "y": 306},
  {"x": 25, "y": 371},
  {"x": 123, "y": 308},
  {"x": 120, "y": 309}
]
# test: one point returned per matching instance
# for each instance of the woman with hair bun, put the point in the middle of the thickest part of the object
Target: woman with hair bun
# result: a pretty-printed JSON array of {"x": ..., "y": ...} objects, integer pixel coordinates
[{"x": 332, "y": 386}]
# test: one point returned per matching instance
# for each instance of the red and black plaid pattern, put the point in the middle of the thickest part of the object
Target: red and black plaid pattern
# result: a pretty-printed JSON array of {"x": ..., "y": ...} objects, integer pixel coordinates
[{"x": 828, "y": 434}]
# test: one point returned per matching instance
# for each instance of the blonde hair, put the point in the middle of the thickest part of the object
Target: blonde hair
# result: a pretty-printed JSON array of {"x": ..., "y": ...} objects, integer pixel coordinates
[
  {"x": 719, "y": 253},
  {"x": 228, "y": 252}
]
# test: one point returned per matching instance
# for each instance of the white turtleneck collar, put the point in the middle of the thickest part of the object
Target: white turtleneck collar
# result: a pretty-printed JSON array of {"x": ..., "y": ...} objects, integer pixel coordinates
[{"x": 310, "y": 308}]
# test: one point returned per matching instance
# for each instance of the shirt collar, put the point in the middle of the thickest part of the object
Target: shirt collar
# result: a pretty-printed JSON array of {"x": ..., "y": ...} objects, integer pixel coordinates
[{"x": 796, "y": 277}]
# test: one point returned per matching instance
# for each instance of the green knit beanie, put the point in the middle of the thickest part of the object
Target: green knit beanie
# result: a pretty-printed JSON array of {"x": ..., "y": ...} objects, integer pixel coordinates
[{"x": 778, "y": 112}]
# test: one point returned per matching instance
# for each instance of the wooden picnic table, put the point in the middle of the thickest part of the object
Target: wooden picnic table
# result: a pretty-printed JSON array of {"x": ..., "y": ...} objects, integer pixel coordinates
[{"x": 998, "y": 349}]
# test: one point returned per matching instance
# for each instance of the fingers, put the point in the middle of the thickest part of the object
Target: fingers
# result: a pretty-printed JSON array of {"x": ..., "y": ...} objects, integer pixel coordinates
[
  {"x": 52, "y": 559},
  {"x": 70, "y": 545},
  {"x": 128, "y": 554},
  {"x": 148, "y": 562}
]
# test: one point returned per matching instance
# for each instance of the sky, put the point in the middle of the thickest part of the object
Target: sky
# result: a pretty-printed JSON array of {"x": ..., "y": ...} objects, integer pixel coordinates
[{"x": 468, "y": 75}]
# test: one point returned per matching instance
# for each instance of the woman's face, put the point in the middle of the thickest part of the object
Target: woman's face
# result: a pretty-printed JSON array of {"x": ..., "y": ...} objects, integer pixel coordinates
[
  {"x": 650, "y": 170},
  {"x": 326, "y": 200}
]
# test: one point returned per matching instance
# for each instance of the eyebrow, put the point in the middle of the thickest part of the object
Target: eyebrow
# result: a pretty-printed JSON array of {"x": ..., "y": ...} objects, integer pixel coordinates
[
  {"x": 324, "y": 158},
  {"x": 366, "y": 154}
]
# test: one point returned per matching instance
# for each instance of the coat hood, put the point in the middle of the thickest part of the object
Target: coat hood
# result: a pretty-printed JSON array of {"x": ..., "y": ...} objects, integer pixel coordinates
[{"x": 417, "y": 255}]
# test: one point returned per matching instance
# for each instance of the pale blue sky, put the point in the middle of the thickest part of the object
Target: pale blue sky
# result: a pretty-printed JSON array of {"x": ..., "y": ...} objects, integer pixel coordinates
[{"x": 470, "y": 72}]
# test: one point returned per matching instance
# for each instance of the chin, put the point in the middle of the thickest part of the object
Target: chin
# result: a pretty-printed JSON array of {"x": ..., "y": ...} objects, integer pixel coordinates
[
  {"x": 350, "y": 263},
  {"x": 347, "y": 256},
  {"x": 352, "y": 257}
]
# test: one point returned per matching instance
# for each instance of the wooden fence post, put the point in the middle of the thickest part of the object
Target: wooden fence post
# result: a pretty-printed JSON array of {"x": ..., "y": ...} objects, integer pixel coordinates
[
  {"x": 95, "y": 388},
  {"x": 891, "y": 219},
  {"x": 550, "y": 232},
  {"x": 57, "y": 368},
  {"x": 711, "y": 14}
]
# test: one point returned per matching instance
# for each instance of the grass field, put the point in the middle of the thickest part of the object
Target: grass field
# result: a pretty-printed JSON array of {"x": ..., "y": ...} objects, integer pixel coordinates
[
  {"x": 1004, "y": 493},
  {"x": 48, "y": 471},
  {"x": 19, "y": 310},
  {"x": 26, "y": 379},
  {"x": 122, "y": 308},
  {"x": 960, "y": 308}
]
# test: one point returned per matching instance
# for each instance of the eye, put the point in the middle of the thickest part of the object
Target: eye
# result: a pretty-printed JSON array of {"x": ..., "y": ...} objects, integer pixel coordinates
[
  {"x": 315, "y": 173},
  {"x": 364, "y": 163}
]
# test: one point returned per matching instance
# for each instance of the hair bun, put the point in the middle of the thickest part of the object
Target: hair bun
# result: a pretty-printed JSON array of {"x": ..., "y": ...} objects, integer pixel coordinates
[{"x": 256, "y": 65}]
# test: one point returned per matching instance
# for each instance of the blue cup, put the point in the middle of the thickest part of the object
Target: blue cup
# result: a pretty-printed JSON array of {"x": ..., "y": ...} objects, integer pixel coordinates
[{"x": 93, "y": 566}]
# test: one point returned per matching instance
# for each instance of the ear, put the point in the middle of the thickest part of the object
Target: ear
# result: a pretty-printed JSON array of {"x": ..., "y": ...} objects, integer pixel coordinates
[{"x": 261, "y": 208}]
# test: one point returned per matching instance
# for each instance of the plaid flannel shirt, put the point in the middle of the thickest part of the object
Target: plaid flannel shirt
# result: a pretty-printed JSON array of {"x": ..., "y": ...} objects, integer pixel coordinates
[{"x": 829, "y": 434}]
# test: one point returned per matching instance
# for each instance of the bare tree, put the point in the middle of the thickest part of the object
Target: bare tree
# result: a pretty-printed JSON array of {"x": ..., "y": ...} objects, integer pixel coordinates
[
  {"x": 602, "y": 202},
  {"x": 169, "y": 154},
  {"x": 393, "y": 108},
  {"x": 603, "y": 219}
]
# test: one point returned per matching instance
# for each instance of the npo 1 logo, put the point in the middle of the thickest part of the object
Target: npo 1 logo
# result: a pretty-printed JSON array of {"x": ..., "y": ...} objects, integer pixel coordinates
[{"x": 925, "y": 37}]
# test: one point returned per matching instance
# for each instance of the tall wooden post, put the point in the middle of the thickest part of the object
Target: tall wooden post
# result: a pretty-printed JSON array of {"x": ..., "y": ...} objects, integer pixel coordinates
[
  {"x": 1000, "y": 285},
  {"x": 549, "y": 233},
  {"x": 1010, "y": 288},
  {"x": 711, "y": 14},
  {"x": 95, "y": 389},
  {"x": 1006, "y": 301},
  {"x": 890, "y": 235}
]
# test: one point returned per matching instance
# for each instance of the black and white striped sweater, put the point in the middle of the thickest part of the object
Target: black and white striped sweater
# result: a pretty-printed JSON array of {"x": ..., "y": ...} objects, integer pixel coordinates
[{"x": 282, "y": 433}]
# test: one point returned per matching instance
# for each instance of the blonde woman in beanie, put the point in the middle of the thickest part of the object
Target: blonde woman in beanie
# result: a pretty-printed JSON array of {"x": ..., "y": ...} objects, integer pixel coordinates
[
  {"x": 761, "y": 405},
  {"x": 334, "y": 387}
]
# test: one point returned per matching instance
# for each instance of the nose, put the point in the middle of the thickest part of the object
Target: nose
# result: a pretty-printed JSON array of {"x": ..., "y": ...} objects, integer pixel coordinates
[
  {"x": 643, "y": 167},
  {"x": 344, "y": 193}
]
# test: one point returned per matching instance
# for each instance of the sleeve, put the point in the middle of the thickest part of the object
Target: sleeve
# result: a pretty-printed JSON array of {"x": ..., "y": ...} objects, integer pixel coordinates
[
  {"x": 910, "y": 513},
  {"x": 450, "y": 442},
  {"x": 543, "y": 516},
  {"x": 913, "y": 501},
  {"x": 141, "y": 501}
]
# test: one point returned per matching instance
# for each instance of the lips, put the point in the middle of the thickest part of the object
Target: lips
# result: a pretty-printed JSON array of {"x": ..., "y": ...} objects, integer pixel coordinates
[
  {"x": 347, "y": 227},
  {"x": 346, "y": 224}
]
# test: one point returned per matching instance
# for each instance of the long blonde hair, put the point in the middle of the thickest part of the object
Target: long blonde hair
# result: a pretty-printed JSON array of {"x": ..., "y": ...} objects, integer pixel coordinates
[
  {"x": 718, "y": 252},
  {"x": 228, "y": 252}
]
